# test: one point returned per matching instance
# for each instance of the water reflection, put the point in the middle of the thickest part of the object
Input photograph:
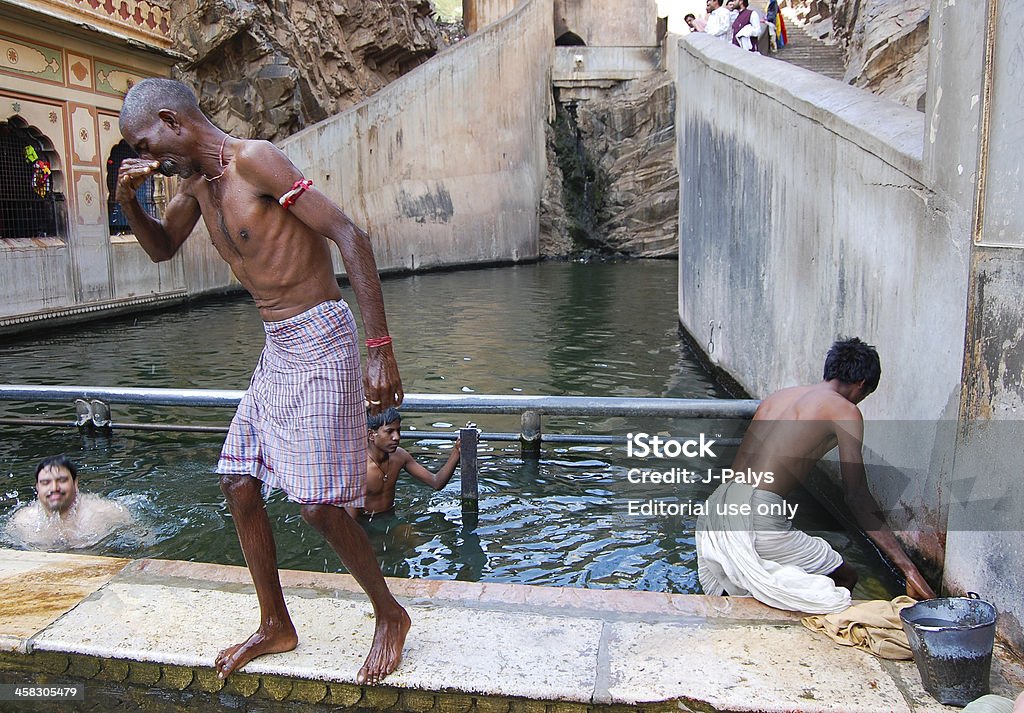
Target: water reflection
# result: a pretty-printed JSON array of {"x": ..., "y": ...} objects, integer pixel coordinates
[{"x": 560, "y": 329}]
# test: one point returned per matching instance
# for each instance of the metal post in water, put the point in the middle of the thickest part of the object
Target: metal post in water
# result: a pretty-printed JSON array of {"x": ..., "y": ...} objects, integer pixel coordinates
[
  {"x": 92, "y": 416},
  {"x": 529, "y": 434},
  {"x": 469, "y": 477}
]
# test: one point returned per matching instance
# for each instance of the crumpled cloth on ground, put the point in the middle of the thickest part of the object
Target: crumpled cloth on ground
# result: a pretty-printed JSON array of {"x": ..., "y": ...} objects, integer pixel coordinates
[
  {"x": 992, "y": 704},
  {"x": 872, "y": 626},
  {"x": 763, "y": 556}
]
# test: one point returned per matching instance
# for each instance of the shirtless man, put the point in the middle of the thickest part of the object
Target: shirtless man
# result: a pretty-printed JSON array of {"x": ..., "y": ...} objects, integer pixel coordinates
[
  {"x": 791, "y": 430},
  {"x": 62, "y": 517},
  {"x": 301, "y": 426},
  {"x": 386, "y": 459}
]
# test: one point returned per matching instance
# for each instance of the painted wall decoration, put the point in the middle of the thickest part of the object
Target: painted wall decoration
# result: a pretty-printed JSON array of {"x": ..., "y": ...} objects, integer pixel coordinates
[
  {"x": 83, "y": 134},
  {"x": 48, "y": 119},
  {"x": 87, "y": 191},
  {"x": 79, "y": 71},
  {"x": 32, "y": 59},
  {"x": 115, "y": 80},
  {"x": 141, "y": 17}
]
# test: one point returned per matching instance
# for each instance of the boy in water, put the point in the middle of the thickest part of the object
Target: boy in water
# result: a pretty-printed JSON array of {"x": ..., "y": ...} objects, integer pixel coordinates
[{"x": 385, "y": 459}]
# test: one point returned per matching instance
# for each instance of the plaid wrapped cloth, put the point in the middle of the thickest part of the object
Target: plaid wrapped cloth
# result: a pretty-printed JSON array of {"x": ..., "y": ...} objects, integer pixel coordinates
[{"x": 301, "y": 426}]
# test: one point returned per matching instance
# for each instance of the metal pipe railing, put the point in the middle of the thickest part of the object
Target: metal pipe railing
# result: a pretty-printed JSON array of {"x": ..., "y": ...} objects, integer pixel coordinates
[
  {"x": 414, "y": 403},
  {"x": 93, "y": 403}
]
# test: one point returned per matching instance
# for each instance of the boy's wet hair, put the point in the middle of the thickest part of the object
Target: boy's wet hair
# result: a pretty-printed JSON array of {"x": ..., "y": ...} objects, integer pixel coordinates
[
  {"x": 388, "y": 415},
  {"x": 851, "y": 360},
  {"x": 61, "y": 461}
]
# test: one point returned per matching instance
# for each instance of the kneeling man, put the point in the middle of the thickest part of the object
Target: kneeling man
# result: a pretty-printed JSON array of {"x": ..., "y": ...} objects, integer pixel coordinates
[
  {"x": 62, "y": 517},
  {"x": 747, "y": 554}
]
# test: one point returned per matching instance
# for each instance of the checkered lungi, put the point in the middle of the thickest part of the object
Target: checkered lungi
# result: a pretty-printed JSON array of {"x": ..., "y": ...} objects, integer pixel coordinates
[{"x": 301, "y": 426}]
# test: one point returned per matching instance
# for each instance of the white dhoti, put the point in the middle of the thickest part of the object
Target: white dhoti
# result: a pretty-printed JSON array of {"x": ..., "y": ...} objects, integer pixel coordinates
[{"x": 763, "y": 556}]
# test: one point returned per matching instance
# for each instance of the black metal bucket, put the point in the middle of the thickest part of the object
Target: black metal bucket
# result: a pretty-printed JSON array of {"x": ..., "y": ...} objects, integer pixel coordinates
[{"x": 952, "y": 641}]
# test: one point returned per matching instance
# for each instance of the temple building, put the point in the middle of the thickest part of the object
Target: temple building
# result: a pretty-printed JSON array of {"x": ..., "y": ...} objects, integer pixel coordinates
[{"x": 64, "y": 67}]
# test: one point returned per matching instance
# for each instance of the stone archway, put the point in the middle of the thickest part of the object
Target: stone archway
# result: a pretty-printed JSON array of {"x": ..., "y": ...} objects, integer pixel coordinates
[{"x": 31, "y": 201}]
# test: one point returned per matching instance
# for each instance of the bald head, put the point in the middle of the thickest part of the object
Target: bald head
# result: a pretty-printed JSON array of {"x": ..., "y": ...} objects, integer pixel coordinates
[{"x": 145, "y": 99}]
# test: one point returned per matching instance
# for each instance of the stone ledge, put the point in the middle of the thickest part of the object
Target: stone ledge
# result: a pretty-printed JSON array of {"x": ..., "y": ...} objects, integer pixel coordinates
[
  {"x": 49, "y": 667},
  {"x": 892, "y": 132},
  {"x": 474, "y": 648}
]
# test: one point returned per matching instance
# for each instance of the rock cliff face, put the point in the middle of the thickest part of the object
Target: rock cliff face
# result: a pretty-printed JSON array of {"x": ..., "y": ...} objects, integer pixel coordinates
[
  {"x": 620, "y": 188},
  {"x": 631, "y": 133},
  {"x": 265, "y": 69},
  {"x": 885, "y": 41}
]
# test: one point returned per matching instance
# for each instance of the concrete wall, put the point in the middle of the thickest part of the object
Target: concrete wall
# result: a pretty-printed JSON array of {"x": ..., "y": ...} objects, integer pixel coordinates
[
  {"x": 810, "y": 210},
  {"x": 804, "y": 217},
  {"x": 477, "y": 14},
  {"x": 607, "y": 23},
  {"x": 446, "y": 165},
  {"x": 985, "y": 550}
]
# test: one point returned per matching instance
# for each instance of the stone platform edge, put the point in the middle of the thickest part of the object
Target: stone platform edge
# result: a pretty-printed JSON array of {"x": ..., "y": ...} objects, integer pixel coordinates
[{"x": 35, "y": 643}]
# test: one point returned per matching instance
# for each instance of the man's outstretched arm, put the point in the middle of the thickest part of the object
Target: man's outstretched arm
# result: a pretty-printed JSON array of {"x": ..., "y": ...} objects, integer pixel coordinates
[
  {"x": 440, "y": 479},
  {"x": 867, "y": 510}
]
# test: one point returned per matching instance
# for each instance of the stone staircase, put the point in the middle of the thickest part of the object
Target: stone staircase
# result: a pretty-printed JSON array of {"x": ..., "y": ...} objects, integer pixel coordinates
[{"x": 808, "y": 52}]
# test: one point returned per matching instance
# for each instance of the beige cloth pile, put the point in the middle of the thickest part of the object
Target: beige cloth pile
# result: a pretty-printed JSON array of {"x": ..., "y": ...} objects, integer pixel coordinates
[{"x": 872, "y": 626}]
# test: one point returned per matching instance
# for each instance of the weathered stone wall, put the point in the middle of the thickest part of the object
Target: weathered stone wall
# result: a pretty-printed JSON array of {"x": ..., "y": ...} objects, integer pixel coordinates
[
  {"x": 480, "y": 13},
  {"x": 984, "y": 548},
  {"x": 885, "y": 41},
  {"x": 607, "y": 23},
  {"x": 266, "y": 70},
  {"x": 446, "y": 165},
  {"x": 804, "y": 216},
  {"x": 630, "y": 133},
  {"x": 555, "y": 240}
]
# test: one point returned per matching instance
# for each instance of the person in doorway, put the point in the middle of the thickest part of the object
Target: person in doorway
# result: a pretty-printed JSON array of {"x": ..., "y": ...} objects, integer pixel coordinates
[
  {"x": 301, "y": 425},
  {"x": 385, "y": 460},
  {"x": 745, "y": 548},
  {"x": 61, "y": 517}
]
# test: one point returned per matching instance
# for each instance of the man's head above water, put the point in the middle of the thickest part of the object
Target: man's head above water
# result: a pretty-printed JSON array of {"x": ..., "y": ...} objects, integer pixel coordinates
[
  {"x": 158, "y": 120},
  {"x": 56, "y": 484}
]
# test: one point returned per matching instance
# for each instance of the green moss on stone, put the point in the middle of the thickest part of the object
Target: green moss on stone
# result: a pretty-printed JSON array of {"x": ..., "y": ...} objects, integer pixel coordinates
[
  {"x": 242, "y": 684},
  {"x": 417, "y": 701},
  {"x": 144, "y": 673},
  {"x": 207, "y": 680},
  {"x": 177, "y": 678},
  {"x": 115, "y": 670},
  {"x": 343, "y": 694},
  {"x": 83, "y": 666}
]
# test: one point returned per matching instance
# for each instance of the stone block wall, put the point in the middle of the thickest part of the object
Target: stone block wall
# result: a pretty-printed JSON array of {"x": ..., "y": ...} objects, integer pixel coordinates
[
  {"x": 446, "y": 165},
  {"x": 804, "y": 217}
]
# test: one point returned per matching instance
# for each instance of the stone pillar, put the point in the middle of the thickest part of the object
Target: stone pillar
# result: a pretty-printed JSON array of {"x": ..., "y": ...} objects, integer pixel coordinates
[{"x": 973, "y": 153}]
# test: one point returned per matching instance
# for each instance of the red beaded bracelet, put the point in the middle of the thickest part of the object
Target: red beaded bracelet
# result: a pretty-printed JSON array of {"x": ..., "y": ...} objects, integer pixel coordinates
[
  {"x": 298, "y": 188},
  {"x": 378, "y": 341}
]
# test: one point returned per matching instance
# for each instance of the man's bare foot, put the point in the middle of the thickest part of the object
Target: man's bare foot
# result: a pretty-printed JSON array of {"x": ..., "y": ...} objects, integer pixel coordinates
[
  {"x": 386, "y": 650},
  {"x": 262, "y": 642}
]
